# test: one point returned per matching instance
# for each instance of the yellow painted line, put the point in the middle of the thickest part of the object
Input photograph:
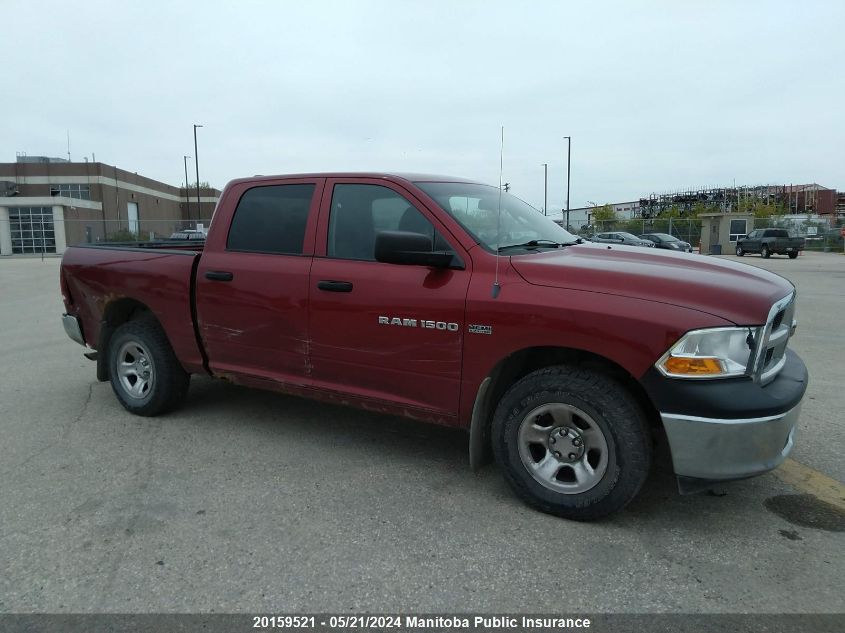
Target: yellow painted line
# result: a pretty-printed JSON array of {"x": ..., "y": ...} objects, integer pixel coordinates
[{"x": 811, "y": 481}]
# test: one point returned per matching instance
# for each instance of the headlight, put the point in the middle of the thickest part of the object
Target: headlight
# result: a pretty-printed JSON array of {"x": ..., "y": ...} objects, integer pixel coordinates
[{"x": 721, "y": 352}]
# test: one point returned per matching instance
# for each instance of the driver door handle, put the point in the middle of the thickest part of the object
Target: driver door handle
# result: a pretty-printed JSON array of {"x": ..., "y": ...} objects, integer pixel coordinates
[
  {"x": 335, "y": 286},
  {"x": 219, "y": 275}
]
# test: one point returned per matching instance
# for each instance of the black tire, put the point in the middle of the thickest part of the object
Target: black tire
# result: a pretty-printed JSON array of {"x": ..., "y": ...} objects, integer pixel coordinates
[
  {"x": 764, "y": 252},
  {"x": 607, "y": 405},
  {"x": 142, "y": 344},
  {"x": 739, "y": 251},
  {"x": 793, "y": 255}
]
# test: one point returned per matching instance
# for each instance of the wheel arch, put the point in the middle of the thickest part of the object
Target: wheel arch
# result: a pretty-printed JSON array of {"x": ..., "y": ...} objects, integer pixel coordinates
[
  {"x": 115, "y": 314},
  {"x": 519, "y": 364}
]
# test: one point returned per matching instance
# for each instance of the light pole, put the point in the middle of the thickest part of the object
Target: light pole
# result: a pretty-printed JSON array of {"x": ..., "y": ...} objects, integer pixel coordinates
[
  {"x": 187, "y": 195},
  {"x": 545, "y": 188},
  {"x": 197, "y": 164},
  {"x": 568, "y": 164}
]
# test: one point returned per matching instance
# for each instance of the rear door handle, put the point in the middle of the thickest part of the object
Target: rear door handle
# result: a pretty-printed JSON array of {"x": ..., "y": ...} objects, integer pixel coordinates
[
  {"x": 219, "y": 275},
  {"x": 335, "y": 286}
]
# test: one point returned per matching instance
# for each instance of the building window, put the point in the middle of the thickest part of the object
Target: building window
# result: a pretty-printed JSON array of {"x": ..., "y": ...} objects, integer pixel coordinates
[
  {"x": 32, "y": 230},
  {"x": 738, "y": 229},
  {"x": 78, "y": 191}
]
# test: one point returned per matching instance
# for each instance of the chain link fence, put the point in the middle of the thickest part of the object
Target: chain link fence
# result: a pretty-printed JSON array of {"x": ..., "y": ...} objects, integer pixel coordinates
[
  {"x": 41, "y": 233},
  {"x": 686, "y": 229},
  {"x": 140, "y": 231},
  {"x": 820, "y": 233}
]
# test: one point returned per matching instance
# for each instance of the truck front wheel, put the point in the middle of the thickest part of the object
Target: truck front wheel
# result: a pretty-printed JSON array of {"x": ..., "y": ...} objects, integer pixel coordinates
[
  {"x": 572, "y": 442},
  {"x": 145, "y": 375},
  {"x": 765, "y": 252}
]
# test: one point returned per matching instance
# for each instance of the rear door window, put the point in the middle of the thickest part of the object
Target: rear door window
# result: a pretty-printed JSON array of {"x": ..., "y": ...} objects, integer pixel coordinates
[{"x": 271, "y": 219}]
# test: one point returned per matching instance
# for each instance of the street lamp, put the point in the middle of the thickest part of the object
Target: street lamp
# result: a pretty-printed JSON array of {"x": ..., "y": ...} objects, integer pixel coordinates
[
  {"x": 568, "y": 164},
  {"x": 197, "y": 164},
  {"x": 187, "y": 184},
  {"x": 545, "y": 188}
]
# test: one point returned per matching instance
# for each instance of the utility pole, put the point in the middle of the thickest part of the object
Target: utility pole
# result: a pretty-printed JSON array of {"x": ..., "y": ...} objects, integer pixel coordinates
[
  {"x": 545, "y": 188},
  {"x": 568, "y": 165},
  {"x": 197, "y": 164},
  {"x": 187, "y": 195}
]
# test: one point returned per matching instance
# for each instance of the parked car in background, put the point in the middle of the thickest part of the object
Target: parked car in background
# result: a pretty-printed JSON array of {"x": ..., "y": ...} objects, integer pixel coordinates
[
  {"x": 669, "y": 242},
  {"x": 768, "y": 242},
  {"x": 621, "y": 237},
  {"x": 190, "y": 234}
]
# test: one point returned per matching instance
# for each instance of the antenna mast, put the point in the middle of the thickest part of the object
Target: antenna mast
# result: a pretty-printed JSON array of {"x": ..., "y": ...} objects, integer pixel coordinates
[{"x": 496, "y": 286}]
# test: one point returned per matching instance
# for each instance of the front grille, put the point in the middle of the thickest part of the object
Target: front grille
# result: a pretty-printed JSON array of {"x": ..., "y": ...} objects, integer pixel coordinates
[{"x": 771, "y": 355}]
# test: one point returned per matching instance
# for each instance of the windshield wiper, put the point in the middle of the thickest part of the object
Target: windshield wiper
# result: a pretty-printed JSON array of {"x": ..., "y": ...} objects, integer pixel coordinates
[{"x": 532, "y": 244}]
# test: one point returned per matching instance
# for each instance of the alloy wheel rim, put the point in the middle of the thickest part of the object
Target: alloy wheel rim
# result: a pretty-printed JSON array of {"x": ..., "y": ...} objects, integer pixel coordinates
[
  {"x": 563, "y": 448},
  {"x": 135, "y": 370}
]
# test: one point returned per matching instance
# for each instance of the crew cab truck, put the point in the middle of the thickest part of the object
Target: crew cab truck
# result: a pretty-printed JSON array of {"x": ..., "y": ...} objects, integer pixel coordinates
[
  {"x": 770, "y": 242},
  {"x": 454, "y": 302}
]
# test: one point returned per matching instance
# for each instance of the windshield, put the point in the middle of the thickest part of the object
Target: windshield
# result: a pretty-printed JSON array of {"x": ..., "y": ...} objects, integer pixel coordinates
[
  {"x": 666, "y": 237},
  {"x": 475, "y": 208},
  {"x": 629, "y": 236}
]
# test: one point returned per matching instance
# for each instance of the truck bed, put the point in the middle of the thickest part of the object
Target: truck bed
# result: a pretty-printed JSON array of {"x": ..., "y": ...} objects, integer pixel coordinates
[{"x": 159, "y": 275}]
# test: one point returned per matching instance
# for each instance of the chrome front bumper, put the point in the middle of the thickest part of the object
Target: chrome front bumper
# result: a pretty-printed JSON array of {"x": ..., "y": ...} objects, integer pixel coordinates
[
  {"x": 72, "y": 328},
  {"x": 714, "y": 449}
]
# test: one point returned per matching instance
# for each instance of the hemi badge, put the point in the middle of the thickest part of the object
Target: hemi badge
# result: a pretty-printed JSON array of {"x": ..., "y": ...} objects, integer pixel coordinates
[{"x": 480, "y": 329}]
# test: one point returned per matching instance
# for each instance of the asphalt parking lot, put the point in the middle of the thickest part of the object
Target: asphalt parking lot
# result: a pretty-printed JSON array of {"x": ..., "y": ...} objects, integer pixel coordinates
[{"x": 252, "y": 501}]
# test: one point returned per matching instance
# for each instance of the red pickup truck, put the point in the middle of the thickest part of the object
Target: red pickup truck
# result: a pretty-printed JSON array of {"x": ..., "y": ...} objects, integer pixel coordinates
[{"x": 451, "y": 301}]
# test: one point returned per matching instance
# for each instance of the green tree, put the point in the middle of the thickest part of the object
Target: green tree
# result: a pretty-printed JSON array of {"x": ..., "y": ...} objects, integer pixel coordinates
[
  {"x": 634, "y": 226},
  {"x": 604, "y": 213},
  {"x": 672, "y": 212},
  {"x": 700, "y": 208},
  {"x": 763, "y": 209}
]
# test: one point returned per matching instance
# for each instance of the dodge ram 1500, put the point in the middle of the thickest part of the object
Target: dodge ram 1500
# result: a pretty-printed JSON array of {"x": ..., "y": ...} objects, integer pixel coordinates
[{"x": 454, "y": 302}]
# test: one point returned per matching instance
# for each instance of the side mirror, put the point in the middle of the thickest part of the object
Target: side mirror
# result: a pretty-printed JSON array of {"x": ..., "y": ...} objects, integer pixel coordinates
[{"x": 412, "y": 249}]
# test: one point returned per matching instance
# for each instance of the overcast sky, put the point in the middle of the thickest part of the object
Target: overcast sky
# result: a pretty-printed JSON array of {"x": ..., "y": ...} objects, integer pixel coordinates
[{"x": 656, "y": 95}]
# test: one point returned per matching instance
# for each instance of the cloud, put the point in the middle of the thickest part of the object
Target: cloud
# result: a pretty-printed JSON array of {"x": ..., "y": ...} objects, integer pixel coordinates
[{"x": 656, "y": 96}]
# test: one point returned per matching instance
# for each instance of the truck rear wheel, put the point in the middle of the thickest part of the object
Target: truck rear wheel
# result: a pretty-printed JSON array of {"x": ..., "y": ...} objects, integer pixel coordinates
[
  {"x": 793, "y": 254},
  {"x": 572, "y": 442},
  {"x": 145, "y": 375}
]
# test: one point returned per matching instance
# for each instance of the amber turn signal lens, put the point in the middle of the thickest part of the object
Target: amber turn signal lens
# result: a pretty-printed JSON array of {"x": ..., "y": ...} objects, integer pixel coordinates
[{"x": 685, "y": 366}]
